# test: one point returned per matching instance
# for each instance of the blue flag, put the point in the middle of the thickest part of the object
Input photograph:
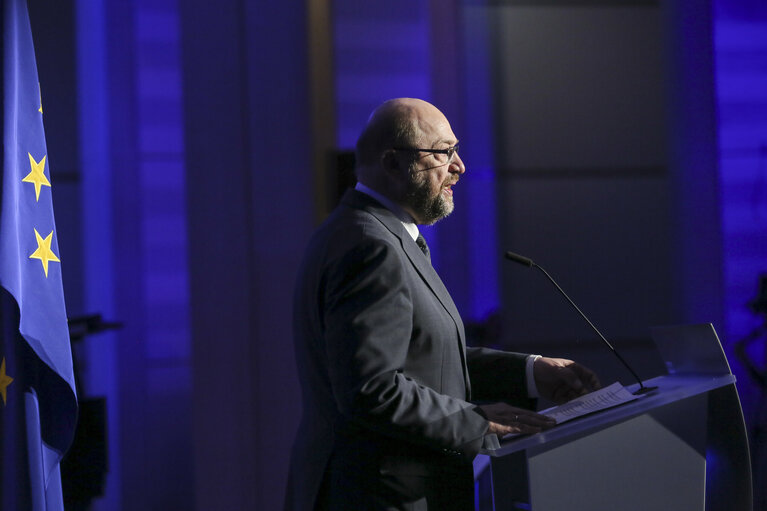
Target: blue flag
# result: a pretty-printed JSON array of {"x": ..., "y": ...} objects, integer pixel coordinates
[{"x": 38, "y": 403}]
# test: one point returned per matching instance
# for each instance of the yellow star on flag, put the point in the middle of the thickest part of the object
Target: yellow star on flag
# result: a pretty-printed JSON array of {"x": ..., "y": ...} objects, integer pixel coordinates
[
  {"x": 40, "y": 93},
  {"x": 37, "y": 175},
  {"x": 5, "y": 380},
  {"x": 44, "y": 252}
]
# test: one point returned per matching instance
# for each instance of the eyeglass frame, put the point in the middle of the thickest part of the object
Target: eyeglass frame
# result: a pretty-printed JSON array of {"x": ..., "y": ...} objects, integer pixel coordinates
[{"x": 450, "y": 151}]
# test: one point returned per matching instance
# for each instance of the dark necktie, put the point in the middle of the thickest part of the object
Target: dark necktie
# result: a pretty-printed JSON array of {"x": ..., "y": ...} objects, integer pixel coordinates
[{"x": 421, "y": 242}]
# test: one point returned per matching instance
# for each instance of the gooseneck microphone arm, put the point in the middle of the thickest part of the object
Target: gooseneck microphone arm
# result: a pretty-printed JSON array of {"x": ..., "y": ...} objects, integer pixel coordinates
[{"x": 530, "y": 264}]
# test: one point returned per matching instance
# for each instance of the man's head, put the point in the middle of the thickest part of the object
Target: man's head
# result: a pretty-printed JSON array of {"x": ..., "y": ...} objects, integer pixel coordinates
[{"x": 406, "y": 152}]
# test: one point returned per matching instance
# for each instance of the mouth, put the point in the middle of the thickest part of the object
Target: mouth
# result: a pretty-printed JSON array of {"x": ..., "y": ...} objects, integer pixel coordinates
[{"x": 448, "y": 188}]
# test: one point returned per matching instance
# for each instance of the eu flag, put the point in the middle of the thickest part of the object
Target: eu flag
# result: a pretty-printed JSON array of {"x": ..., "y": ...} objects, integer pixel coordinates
[{"x": 38, "y": 403}]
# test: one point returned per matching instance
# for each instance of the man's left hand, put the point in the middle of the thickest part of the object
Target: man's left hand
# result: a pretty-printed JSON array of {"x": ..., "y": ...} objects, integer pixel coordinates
[{"x": 560, "y": 380}]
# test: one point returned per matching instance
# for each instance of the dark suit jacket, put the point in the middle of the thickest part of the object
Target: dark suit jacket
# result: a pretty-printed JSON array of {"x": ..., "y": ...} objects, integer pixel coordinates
[{"x": 385, "y": 373}]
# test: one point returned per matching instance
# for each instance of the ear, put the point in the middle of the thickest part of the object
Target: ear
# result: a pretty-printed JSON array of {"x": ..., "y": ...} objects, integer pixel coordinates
[{"x": 389, "y": 161}]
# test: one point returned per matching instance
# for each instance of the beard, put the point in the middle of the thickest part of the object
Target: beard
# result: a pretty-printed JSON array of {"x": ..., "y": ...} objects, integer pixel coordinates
[{"x": 428, "y": 207}]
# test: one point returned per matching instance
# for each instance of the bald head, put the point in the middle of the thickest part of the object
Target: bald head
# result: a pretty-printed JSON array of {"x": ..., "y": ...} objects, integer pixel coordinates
[{"x": 398, "y": 122}]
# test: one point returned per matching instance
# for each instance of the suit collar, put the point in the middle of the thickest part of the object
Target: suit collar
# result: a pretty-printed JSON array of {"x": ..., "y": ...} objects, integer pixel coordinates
[
  {"x": 398, "y": 211},
  {"x": 358, "y": 200}
]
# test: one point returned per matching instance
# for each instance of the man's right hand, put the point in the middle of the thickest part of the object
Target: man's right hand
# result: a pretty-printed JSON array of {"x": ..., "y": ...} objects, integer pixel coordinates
[{"x": 506, "y": 419}]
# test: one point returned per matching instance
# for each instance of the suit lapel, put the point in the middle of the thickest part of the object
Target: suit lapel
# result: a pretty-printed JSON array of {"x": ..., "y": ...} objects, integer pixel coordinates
[{"x": 424, "y": 268}]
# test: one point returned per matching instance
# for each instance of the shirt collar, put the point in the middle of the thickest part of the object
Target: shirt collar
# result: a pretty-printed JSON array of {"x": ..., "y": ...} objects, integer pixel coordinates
[{"x": 407, "y": 221}]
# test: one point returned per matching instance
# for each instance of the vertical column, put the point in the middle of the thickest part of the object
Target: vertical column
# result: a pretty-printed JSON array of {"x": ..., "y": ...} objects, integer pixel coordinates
[
  {"x": 460, "y": 78},
  {"x": 250, "y": 209},
  {"x": 381, "y": 52},
  {"x": 221, "y": 251},
  {"x": 124, "y": 237},
  {"x": 322, "y": 101},
  {"x": 166, "y": 352},
  {"x": 97, "y": 215},
  {"x": 451, "y": 237},
  {"x": 286, "y": 123},
  {"x": 478, "y": 93},
  {"x": 693, "y": 158},
  {"x": 741, "y": 66},
  {"x": 135, "y": 238}
]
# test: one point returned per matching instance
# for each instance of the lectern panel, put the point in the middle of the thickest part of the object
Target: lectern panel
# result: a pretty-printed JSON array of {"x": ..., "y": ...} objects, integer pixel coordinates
[{"x": 634, "y": 466}]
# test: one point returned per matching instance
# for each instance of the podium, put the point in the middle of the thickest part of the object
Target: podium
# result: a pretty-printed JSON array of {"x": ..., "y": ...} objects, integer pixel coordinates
[{"x": 681, "y": 447}]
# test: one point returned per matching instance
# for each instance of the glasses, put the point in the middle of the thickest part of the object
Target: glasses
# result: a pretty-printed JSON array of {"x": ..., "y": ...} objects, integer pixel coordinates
[{"x": 450, "y": 151}]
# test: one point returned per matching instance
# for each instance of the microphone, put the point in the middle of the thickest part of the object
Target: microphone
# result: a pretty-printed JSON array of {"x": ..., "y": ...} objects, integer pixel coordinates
[{"x": 530, "y": 264}]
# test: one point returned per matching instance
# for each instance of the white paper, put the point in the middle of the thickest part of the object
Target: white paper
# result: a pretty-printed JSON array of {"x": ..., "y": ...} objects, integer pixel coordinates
[{"x": 601, "y": 399}]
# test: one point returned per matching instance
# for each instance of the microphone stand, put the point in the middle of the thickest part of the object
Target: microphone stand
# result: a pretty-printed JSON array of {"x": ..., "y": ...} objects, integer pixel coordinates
[{"x": 529, "y": 263}]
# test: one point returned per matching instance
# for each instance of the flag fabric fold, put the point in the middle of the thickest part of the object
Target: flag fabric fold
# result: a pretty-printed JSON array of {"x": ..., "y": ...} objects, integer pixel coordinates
[{"x": 38, "y": 401}]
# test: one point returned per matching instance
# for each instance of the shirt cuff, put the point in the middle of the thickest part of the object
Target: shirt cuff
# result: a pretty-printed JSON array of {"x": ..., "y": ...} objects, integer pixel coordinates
[{"x": 532, "y": 389}]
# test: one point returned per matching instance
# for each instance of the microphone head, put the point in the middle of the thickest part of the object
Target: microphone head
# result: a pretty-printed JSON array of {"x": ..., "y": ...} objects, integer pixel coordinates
[{"x": 520, "y": 259}]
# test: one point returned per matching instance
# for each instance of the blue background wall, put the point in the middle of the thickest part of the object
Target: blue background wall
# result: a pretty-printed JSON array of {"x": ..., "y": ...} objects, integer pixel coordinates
[{"x": 187, "y": 141}]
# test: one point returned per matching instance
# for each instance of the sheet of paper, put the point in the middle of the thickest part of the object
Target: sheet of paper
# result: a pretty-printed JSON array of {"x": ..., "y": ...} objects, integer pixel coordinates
[{"x": 601, "y": 399}]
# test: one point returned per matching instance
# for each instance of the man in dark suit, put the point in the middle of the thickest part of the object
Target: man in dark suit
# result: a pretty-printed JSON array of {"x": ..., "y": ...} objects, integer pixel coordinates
[{"x": 387, "y": 380}]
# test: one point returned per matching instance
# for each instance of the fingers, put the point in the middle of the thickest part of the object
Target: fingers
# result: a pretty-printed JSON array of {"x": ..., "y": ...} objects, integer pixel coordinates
[
  {"x": 587, "y": 376},
  {"x": 561, "y": 379},
  {"x": 523, "y": 425},
  {"x": 580, "y": 380},
  {"x": 505, "y": 419},
  {"x": 518, "y": 429},
  {"x": 531, "y": 424},
  {"x": 571, "y": 379}
]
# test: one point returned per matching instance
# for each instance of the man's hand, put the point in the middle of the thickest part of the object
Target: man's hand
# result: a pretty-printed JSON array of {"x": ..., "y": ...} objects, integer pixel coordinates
[
  {"x": 505, "y": 419},
  {"x": 560, "y": 380}
]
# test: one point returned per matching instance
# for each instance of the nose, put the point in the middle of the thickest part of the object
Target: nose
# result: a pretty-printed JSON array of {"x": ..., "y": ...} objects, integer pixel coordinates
[{"x": 456, "y": 164}]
